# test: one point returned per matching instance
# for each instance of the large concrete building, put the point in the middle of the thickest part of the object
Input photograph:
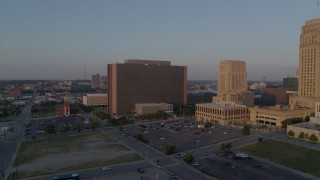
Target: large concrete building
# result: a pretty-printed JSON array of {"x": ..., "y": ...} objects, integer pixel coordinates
[
  {"x": 309, "y": 66},
  {"x": 224, "y": 114},
  {"x": 95, "y": 99},
  {"x": 232, "y": 80},
  {"x": 274, "y": 115},
  {"x": 145, "y": 81}
]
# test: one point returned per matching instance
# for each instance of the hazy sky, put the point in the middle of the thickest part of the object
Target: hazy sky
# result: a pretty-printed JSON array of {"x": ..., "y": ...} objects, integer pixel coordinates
[{"x": 56, "y": 39}]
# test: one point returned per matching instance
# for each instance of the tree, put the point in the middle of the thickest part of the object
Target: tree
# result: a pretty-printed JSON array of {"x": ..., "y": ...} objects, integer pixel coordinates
[
  {"x": 301, "y": 135},
  {"x": 139, "y": 137},
  {"x": 94, "y": 125},
  {"x": 246, "y": 130},
  {"x": 79, "y": 128},
  {"x": 313, "y": 138},
  {"x": 49, "y": 129},
  {"x": 229, "y": 146},
  {"x": 208, "y": 124},
  {"x": 307, "y": 119},
  {"x": 223, "y": 147},
  {"x": 65, "y": 128},
  {"x": 100, "y": 115},
  {"x": 189, "y": 158},
  {"x": 171, "y": 149},
  {"x": 291, "y": 133}
]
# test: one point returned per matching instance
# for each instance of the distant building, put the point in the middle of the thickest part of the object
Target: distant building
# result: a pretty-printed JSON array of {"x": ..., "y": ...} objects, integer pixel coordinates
[
  {"x": 246, "y": 98},
  {"x": 151, "y": 108},
  {"x": 15, "y": 92},
  {"x": 201, "y": 97},
  {"x": 145, "y": 81},
  {"x": 62, "y": 109},
  {"x": 95, "y": 99},
  {"x": 279, "y": 94},
  {"x": 95, "y": 81},
  {"x": 291, "y": 83},
  {"x": 104, "y": 82},
  {"x": 224, "y": 114},
  {"x": 232, "y": 81}
]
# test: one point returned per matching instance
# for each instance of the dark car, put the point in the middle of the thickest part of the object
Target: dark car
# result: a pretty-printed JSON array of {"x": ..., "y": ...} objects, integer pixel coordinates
[{"x": 140, "y": 171}]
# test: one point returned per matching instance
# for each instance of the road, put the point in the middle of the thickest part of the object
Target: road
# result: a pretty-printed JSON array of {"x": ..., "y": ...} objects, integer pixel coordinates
[{"x": 10, "y": 142}]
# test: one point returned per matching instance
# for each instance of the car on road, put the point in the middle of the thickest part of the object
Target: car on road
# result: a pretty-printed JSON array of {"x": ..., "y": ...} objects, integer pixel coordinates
[
  {"x": 225, "y": 133},
  {"x": 140, "y": 170},
  {"x": 182, "y": 154},
  {"x": 195, "y": 163},
  {"x": 107, "y": 168}
]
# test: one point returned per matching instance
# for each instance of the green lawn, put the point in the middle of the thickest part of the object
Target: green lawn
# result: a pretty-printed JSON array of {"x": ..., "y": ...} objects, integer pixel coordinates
[
  {"x": 296, "y": 157},
  {"x": 78, "y": 152}
]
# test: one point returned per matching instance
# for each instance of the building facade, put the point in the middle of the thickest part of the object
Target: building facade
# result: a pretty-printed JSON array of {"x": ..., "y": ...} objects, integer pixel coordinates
[
  {"x": 279, "y": 94},
  {"x": 309, "y": 65},
  {"x": 95, "y": 81},
  {"x": 151, "y": 108},
  {"x": 224, "y": 114},
  {"x": 274, "y": 115},
  {"x": 145, "y": 81},
  {"x": 95, "y": 99},
  {"x": 232, "y": 81},
  {"x": 291, "y": 83}
]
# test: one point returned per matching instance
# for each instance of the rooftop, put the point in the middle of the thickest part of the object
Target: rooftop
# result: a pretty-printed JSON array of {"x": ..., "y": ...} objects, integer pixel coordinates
[
  {"x": 216, "y": 105},
  {"x": 308, "y": 125}
]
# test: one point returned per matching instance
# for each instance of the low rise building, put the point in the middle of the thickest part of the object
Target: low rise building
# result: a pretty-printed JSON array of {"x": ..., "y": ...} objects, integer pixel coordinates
[
  {"x": 151, "y": 108},
  {"x": 225, "y": 114},
  {"x": 95, "y": 99},
  {"x": 307, "y": 129},
  {"x": 274, "y": 115}
]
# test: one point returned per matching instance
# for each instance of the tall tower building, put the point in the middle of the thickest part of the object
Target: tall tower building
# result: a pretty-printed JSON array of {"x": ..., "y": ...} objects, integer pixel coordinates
[
  {"x": 309, "y": 59},
  {"x": 95, "y": 81},
  {"x": 309, "y": 66},
  {"x": 232, "y": 80},
  {"x": 145, "y": 81}
]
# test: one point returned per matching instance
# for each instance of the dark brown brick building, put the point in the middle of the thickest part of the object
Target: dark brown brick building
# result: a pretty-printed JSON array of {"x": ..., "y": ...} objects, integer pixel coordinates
[{"x": 145, "y": 81}]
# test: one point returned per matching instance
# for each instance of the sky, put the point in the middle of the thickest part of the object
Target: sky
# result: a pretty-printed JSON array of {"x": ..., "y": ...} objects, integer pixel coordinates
[{"x": 46, "y": 39}]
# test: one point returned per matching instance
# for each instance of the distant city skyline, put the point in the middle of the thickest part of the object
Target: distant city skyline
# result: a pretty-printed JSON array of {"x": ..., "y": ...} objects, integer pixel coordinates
[{"x": 57, "y": 39}]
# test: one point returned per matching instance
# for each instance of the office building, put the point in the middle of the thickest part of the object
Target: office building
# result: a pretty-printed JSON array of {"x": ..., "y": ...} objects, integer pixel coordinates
[
  {"x": 309, "y": 66},
  {"x": 145, "y": 81},
  {"x": 274, "y": 115},
  {"x": 277, "y": 94},
  {"x": 95, "y": 99},
  {"x": 95, "y": 81},
  {"x": 103, "y": 82},
  {"x": 224, "y": 114},
  {"x": 232, "y": 81}
]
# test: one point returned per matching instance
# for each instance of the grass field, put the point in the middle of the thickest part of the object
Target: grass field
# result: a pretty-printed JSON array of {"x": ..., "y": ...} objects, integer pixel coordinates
[
  {"x": 296, "y": 157},
  {"x": 38, "y": 157}
]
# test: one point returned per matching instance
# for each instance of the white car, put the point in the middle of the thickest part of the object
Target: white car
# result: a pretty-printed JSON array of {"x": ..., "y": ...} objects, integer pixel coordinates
[
  {"x": 225, "y": 133},
  {"x": 195, "y": 163},
  {"x": 107, "y": 168}
]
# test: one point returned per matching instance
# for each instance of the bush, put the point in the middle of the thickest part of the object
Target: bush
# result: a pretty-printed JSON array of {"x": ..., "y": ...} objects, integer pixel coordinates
[
  {"x": 170, "y": 149},
  {"x": 208, "y": 124},
  {"x": 313, "y": 138},
  {"x": 291, "y": 133},
  {"x": 139, "y": 137},
  {"x": 246, "y": 130},
  {"x": 301, "y": 135},
  {"x": 189, "y": 158}
]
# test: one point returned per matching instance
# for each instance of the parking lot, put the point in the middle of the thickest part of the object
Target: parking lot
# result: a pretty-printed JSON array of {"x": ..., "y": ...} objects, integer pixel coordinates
[
  {"x": 184, "y": 134},
  {"x": 228, "y": 167},
  {"x": 35, "y": 127}
]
